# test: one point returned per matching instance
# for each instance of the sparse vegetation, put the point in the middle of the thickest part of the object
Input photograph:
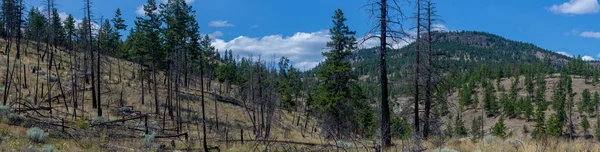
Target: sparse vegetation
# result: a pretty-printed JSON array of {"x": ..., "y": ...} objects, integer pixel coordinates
[
  {"x": 37, "y": 135},
  {"x": 169, "y": 86}
]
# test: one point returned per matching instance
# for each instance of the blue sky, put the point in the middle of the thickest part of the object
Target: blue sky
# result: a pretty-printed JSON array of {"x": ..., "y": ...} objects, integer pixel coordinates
[{"x": 298, "y": 29}]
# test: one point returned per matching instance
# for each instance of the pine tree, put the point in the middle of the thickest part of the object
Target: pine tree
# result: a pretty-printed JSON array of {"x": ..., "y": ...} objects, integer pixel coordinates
[
  {"x": 585, "y": 124},
  {"x": 526, "y": 108},
  {"x": 465, "y": 98},
  {"x": 508, "y": 106},
  {"x": 596, "y": 73},
  {"x": 149, "y": 43},
  {"x": 598, "y": 128},
  {"x": 489, "y": 101},
  {"x": 459, "y": 128},
  {"x": 596, "y": 101},
  {"x": 476, "y": 126},
  {"x": 540, "y": 93},
  {"x": 554, "y": 126},
  {"x": 499, "y": 129},
  {"x": 57, "y": 27},
  {"x": 586, "y": 105},
  {"x": 69, "y": 26},
  {"x": 539, "y": 130},
  {"x": 336, "y": 79},
  {"x": 529, "y": 85}
]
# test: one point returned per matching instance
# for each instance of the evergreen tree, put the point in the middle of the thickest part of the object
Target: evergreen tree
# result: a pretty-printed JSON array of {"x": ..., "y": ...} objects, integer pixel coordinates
[
  {"x": 334, "y": 91},
  {"x": 499, "y": 129},
  {"x": 489, "y": 101},
  {"x": 529, "y": 85},
  {"x": 459, "y": 128},
  {"x": 526, "y": 108},
  {"x": 585, "y": 124},
  {"x": 476, "y": 127},
  {"x": 596, "y": 101},
  {"x": 465, "y": 98},
  {"x": 598, "y": 128},
  {"x": 540, "y": 93},
  {"x": 596, "y": 73},
  {"x": 509, "y": 106},
  {"x": 586, "y": 105},
  {"x": 554, "y": 126},
  {"x": 119, "y": 25},
  {"x": 285, "y": 84},
  {"x": 69, "y": 26},
  {"x": 539, "y": 130},
  {"x": 57, "y": 27}
]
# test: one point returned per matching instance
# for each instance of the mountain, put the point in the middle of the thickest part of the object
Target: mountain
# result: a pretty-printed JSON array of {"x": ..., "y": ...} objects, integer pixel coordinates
[
  {"x": 464, "y": 50},
  {"x": 459, "y": 51}
]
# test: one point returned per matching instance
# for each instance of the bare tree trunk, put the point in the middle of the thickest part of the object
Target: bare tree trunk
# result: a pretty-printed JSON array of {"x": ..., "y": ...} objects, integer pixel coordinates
[
  {"x": 98, "y": 87},
  {"x": 94, "y": 87},
  {"x": 203, "y": 110},
  {"x": 429, "y": 84},
  {"x": 417, "y": 64},
  {"x": 385, "y": 110}
]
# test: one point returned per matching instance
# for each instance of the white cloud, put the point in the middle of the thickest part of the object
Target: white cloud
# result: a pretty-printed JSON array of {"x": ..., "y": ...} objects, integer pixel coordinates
[
  {"x": 598, "y": 55},
  {"x": 215, "y": 34},
  {"x": 439, "y": 27},
  {"x": 303, "y": 49},
  {"x": 588, "y": 58},
  {"x": 564, "y": 53},
  {"x": 220, "y": 23},
  {"x": 63, "y": 16},
  {"x": 585, "y": 57},
  {"x": 396, "y": 44},
  {"x": 254, "y": 26},
  {"x": 140, "y": 11},
  {"x": 374, "y": 42},
  {"x": 576, "y": 7},
  {"x": 590, "y": 34}
]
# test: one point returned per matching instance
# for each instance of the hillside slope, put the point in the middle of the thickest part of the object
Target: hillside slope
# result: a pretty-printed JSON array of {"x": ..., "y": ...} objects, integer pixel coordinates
[{"x": 120, "y": 82}]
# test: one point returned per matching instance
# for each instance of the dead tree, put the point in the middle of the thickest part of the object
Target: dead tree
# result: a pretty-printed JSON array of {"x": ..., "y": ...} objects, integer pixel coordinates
[
  {"x": 91, "y": 52},
  {"x": 387, "y": 26}
]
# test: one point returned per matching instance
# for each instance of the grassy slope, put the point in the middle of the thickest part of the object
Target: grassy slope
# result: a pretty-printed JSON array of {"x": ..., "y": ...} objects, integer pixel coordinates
[{"x": 232, "y": 116}]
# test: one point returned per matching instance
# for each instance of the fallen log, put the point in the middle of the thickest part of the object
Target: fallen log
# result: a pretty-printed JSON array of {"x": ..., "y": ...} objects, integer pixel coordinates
[
  {"x": 120, "y": 120},
  {"x": 283, "y": 141},
  {"x": 172, "y": 136},
  {"x": 33, "y": 109}
]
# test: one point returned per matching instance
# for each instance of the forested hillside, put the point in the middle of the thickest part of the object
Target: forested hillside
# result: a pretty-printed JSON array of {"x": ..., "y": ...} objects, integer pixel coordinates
[{"x": 456, "y": 51}]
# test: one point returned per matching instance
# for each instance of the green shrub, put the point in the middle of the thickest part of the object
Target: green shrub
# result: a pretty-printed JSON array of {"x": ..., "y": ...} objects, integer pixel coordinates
[
  {"x": 148, "y": 141},
  {"x": 489, "y": 139},
  {"x": 444, "y": 150},
  {"x": 400, "y": 128},
  {"x": 37, "y": 135},
  {"x": 15, "y": 119},
  {"x": 513, "y": 143},
  {"x": 5, "y": 110},
  {"x": 81, "y": 124},
  {"x": 48, "y": 148},
  {"x": 99, "y": 120},
  {"x": 124, "y": 110},
  {"x": 45, "y": 148}
]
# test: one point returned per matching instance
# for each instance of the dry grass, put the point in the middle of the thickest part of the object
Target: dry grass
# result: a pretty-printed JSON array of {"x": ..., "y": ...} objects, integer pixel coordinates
[
  {"x": 528, "y": 145},
  {"x": 232, "y": 116}
]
